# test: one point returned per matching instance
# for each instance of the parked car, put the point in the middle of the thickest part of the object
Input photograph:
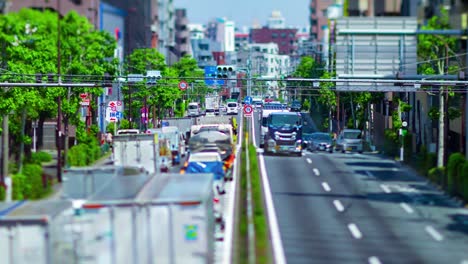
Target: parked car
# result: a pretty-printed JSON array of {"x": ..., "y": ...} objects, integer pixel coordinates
[
  {"x": 295, "y": 106},
  {"x": 320, "y": 141},
  {"x": 349, "y": 140}
]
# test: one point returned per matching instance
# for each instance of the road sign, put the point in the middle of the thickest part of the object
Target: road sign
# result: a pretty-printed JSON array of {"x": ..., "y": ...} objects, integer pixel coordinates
[
  {"x": 133, "y": 78},
  {"x": 404, "y": 124},
  {"x": 183, "y": 85},
  {"x": 210, "y": 75},
  {"x": 248, "y": 110},
  {"x": 119, "y": 115},
  {"x": 84, "y": 102},
  {"x": 83, "y": 95},
  {"x": 248, "y": 100}
]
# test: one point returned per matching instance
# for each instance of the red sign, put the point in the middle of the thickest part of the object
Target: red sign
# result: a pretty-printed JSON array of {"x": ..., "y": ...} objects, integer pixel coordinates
[
  {"x": 83, "y": 95},
  {"x": 183, "y": 85},
  {"x": 248, "y": 110}
]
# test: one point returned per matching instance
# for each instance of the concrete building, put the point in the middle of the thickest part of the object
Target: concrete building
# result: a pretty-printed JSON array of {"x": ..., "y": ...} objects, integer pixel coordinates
[
  {"x": 264, "y": 61},
  {"x": 166, "y": 31},
  {"x": 197, "y": 31},
  {"x": 318, "y": 18},
  {"x": 276, "y": 20},
  {"x": 203, "y": 51},
  {"x": 285, "y": 38},
  {"x": 183, "y": 46}
]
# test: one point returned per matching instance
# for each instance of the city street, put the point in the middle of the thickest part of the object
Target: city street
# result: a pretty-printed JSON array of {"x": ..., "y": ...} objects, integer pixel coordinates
[{"x": 357, "y": 208}]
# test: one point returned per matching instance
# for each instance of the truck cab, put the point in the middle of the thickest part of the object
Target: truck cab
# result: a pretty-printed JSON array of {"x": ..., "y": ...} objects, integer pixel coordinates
[{"x": 284, "y": 133}]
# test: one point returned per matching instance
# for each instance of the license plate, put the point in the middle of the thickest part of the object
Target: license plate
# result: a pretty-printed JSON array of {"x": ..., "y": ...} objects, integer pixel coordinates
[{"x": 349, "y": 148}]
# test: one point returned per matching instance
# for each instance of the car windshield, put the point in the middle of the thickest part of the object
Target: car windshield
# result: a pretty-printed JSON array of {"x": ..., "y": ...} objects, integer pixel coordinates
[
  {"x": 210, "y": 110},
  {"x": 352, "y": 134},
  {"x": 281, "y": 120},
  {"x": 321, "y": 136},
  {"x": 232, "y": 105},
  {"x": 192, "y": 107}
]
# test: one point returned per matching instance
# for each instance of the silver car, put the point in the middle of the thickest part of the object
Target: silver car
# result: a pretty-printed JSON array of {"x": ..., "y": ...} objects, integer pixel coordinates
[
  {"x": 320, "y": 141},
  {"x": 349, "y": 140}
]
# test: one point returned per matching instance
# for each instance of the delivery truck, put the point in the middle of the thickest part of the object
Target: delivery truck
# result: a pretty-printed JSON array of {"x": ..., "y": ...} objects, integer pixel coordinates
[
  {"x": 168, "y": 220},
  {"x": 140, "y": 150},
  {"x": 37, "y": 232}
]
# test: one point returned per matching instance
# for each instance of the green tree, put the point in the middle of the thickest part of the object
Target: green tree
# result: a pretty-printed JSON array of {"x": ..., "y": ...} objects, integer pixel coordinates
[
  {"x": 435, "y": 52},
  {"x": 29, "y": 40}
]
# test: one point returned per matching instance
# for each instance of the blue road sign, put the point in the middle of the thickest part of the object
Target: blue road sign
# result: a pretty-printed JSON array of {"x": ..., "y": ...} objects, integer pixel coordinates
[
  {"x": 210, "y": 74},
  {"x": 119, "y": 115},
  {"x": 248, "y": 100}
]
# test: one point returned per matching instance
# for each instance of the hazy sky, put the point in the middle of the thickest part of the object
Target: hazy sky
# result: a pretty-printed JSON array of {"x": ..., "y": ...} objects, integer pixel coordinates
[{"x": 246, "y": 12}]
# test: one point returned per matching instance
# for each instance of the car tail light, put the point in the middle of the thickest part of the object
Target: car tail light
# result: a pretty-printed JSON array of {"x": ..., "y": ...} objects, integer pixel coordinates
[{"x": 216, "y": 200}]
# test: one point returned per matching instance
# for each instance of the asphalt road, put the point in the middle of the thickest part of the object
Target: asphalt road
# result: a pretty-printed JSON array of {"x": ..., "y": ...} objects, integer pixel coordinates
[{"x": 362, "y": 208}]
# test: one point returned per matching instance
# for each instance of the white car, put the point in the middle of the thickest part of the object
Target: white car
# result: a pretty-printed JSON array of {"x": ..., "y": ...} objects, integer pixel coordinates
[
  {"x": 349, "y": 140},
  {"x": 232, "y": 108}
]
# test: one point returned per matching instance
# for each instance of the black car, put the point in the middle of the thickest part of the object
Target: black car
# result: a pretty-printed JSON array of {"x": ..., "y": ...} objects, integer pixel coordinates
[{"x": 295, "y": 106}]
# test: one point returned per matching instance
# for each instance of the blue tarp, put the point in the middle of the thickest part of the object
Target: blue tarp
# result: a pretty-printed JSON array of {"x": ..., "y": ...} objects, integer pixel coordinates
[{"x": 215, "y": 167}]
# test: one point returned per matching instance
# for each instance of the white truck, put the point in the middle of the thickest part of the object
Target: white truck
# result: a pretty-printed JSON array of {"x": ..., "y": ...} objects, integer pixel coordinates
[
  {"x": 37, "y": 232},
  {"x": 161, "y": 224},
  {"x": 140, "y": 150}
]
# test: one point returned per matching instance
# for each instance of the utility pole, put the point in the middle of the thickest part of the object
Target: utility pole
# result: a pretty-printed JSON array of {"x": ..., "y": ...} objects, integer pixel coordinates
[
  {"x": 59, "y": 100},
  {"x": 5, "y": 152}
]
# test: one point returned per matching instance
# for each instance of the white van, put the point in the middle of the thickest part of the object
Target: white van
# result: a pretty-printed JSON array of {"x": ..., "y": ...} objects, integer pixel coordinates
[
  {"x": 193, "y": 109},
  {"x": 232, "y": 108}
]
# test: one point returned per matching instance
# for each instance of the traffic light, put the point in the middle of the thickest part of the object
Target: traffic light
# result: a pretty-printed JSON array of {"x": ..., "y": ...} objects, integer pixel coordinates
[
  {"x": 225, "y": 71},
  {"x": 38, "y": 77},
  {"x": 50, "y": 77},
  {"x": 107, "y": 80},
  {"x": 152, "y": 77}
]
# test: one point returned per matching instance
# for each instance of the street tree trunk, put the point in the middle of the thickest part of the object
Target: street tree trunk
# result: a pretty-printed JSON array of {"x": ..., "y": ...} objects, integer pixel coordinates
[{"x": 440, "y": 148}]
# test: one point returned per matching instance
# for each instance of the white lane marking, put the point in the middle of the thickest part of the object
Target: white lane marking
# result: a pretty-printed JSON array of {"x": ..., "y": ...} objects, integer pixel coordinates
[
  {"x": 436, "y": 235},
  {"x": 271, "y": 214},
  {"x": 229, "y": 232},
  {"x": 355, "y": 231},
  {"x": 254, "y": 139},
  {"x": 374, "y": 260},
  {"x": 370, "y": 174},
  {"x": 385, "y": 188},
  {"x": 338, "y": 205},
  {"x": 407, "y": 208},
  {"x": 316, "y": 171},
  {"x": 326, "y": 187},
  {"x": 309, "y": 160}
]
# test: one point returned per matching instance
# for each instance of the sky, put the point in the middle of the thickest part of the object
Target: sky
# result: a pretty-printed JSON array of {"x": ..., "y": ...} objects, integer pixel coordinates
[{"x": 246, "y": 12}]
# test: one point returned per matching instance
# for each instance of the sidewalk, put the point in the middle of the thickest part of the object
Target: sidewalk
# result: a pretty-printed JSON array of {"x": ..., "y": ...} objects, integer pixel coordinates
[{"x": 50, "y": 169}]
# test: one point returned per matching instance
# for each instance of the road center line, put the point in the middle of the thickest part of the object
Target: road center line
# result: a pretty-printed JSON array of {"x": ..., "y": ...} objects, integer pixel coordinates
[
  {"x": 374, "y": 260},
  {"x": 407, "y": 208},
  {"x": 326, "y": 187},
  {"x": 436, "y": 235},
  {"x": 309, "y": 160},
  {"x": 355, "y": 231},
  {"x": 338, "y": 205},
  {"x": 316, "y": 171},
  {"x": 385, "y": 188}
]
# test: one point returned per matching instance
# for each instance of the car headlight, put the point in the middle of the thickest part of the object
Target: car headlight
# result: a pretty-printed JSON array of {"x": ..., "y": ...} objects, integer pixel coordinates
[
  {"x": 277, "y": 137},
  {"x": 276, "y": 133}
]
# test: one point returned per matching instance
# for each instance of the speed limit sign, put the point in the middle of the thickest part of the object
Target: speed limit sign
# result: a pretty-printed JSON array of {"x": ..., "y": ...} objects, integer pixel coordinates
[
  {"x": 183, "y": 85},
  {"x": 248, "y": 110}
]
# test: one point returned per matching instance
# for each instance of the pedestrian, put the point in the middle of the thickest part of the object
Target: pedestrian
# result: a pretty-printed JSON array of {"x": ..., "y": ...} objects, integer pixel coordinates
[{"x": 109, "y": 139}]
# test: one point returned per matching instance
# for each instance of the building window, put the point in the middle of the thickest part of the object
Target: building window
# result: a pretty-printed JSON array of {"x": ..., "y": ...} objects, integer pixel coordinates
[
  {"x": 283, "y": 35},
  {"x": 283, "y": 43},
  {"x": 274, "y": 35}
]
